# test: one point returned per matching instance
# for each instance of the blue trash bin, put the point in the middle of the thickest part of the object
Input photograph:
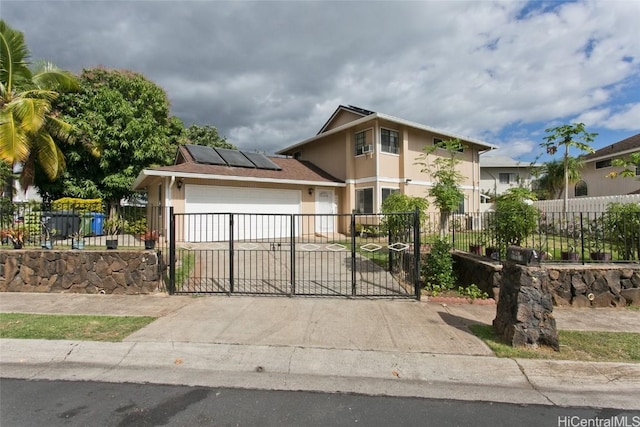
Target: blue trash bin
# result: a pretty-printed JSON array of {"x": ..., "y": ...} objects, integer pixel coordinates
[{"x": 97, "y": 223}]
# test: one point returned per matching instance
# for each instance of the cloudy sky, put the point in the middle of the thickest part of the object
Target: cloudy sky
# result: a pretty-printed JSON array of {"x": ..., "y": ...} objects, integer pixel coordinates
[{"x": 269, "y": 74}]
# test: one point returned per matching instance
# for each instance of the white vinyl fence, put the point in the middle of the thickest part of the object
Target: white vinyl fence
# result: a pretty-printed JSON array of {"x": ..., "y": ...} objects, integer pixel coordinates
[{"x": 585, "y": 204}]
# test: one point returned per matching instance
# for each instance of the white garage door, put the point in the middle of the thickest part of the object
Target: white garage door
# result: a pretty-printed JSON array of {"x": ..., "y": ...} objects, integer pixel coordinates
[{"x": 259, "y": 209}]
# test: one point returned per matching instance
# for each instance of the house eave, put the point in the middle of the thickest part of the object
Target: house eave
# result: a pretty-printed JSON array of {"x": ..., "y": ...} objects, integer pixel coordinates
[
  {"x": 168, "y": 174},
  {"x": 483, "y": 145}
]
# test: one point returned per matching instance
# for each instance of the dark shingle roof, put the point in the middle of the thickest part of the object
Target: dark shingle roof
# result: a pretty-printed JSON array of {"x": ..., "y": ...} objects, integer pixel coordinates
[{"x": 615, "y": 148}]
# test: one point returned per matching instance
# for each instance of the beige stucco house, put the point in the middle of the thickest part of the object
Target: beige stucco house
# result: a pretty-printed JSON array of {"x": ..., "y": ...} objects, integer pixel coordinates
[
  {"x": 375, "y": 154},
  {"x": 595, "y": 180},
  {"x": 357, "y": 159}
]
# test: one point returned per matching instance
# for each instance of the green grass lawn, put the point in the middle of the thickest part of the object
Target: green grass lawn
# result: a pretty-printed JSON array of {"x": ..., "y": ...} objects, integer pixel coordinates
[
  {"x": 574, "y": 345},
  {"x": 70, "y": 327}
]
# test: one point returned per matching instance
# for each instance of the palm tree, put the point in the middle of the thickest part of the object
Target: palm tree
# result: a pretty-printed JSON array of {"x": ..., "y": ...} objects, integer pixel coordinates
[
  {"x": 28, "y": 125},
  {"x": 550, "y": 183}
]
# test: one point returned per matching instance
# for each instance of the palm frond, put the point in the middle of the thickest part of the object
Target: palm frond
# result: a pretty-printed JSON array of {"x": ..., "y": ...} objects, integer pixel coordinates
[
  {"x": 49, "y": 156},
  {"x": 53, "y": 78},
  {"x": 14, "y": 142},
  {"x": 14, "y": 69},
  {"x": 29, "y": 113}
]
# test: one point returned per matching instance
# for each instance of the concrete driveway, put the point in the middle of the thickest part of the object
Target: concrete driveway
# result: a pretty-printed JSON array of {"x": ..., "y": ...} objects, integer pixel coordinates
[
  {"x": 376, "y": 325},
  {"x": 266, "y": 268}
]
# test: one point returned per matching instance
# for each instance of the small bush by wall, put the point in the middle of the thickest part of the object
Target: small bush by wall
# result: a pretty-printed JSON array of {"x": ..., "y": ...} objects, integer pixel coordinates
[{"x": 111, "y": 272}]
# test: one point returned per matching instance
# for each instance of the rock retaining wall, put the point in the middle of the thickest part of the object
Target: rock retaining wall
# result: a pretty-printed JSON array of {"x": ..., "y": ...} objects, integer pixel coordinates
[
  {"x": 524, "y": 316},
  {"x": 591, "y": 285},
  {"x": 91, "y": 272}
]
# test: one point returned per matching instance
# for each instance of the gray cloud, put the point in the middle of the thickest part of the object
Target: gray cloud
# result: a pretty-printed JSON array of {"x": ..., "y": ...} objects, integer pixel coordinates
[{"x": 268, "y": 74}]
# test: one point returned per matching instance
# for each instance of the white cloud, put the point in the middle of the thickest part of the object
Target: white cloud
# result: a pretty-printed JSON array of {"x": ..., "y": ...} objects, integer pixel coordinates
[{"x": 480, "y": 68}]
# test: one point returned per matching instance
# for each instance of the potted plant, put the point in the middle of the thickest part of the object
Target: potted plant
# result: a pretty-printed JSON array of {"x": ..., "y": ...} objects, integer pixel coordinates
[
  {"x": 596, "y": 241},
  {"x": 492, "y": 252},
  {"x": 45, "y": 239},
  {"x": 16, "y": 235},
  {"x": 111, "y": 229},
  {"x": 77, "y": 240},
  {"x": 570, "y": 254},
  {"x": 150, "y": 238},
  {"x": 476, "y": 247}
]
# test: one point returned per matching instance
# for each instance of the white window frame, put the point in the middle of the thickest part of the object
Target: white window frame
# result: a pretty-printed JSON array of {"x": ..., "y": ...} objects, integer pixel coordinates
[{"x": 359, "y": 150}]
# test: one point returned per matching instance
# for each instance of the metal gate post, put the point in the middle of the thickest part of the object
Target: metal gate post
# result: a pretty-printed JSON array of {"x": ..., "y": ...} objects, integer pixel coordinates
[
  {"x": 293, "y": 255},
  {"x": 231, "y": 253},
  {"x": 172, "y": 252},
  {"x": 416, "y": 252},
  {"x": 353, "y": 254}
]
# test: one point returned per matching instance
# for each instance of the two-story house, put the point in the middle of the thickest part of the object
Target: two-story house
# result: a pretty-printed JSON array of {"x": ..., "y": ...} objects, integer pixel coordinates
[
  {"x": 499, "y": 173},
  {"x": 357, "y": 159},
  {"x": 375, "y": 154},
  {"x": 595, "y": 180}
]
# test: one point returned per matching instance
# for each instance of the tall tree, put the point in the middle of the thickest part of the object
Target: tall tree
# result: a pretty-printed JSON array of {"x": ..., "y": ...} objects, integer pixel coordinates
[
  {"x": 28, "y": 125},
  {"x": 567, "y": 136},
  {"x": 206, "y": 135},
  {"x": 550, "y": 177},
  {"x": 446, "y": 190},
  {"x": 127, "y": 117}
]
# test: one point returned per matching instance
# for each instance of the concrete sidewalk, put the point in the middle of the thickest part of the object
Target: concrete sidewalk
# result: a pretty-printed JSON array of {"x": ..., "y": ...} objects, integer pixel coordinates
[{"x": 391, "y": 347}]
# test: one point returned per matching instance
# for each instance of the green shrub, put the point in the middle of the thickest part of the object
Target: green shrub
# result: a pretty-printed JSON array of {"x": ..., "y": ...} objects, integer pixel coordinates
[
  {"x": 623, "y": 225},
  {"x": 438, "y": 269},
  {"x": 472, "y": 291},
  {"x": 77, "y": 205},
  {"x": 515, "y": 218},
  {"x": 135, "y": 227},
  {"x": 400, "y": 225}
]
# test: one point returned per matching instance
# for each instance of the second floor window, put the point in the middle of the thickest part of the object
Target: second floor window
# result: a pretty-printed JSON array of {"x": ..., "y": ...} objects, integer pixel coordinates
[
  {"x": 389, "y": 141},
  {"x": 603, "y": 164},
  {"x": 361, "y": 143},
  {"x": 508, "y": 178}
]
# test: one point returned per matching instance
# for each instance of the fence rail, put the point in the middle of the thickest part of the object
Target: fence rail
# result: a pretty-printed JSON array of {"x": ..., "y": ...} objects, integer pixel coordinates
[
  {"x": 572, "y": 237},
  {"x": 69, "y": 226}
]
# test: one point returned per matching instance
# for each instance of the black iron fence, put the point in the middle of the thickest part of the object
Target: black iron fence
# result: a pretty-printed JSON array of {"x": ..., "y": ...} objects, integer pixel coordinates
[
  {"x": 295, "y": 254},
  {"x": 81, "y": 226},
  {"x": 561, "y": 237}
]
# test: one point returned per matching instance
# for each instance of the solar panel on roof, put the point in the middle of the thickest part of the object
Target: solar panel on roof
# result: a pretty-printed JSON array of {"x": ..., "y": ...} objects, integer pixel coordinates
[
  {"x": 205, "y": 155},
  {"x": 261, "y": 161},
  {"x": 234, "y": 158}
]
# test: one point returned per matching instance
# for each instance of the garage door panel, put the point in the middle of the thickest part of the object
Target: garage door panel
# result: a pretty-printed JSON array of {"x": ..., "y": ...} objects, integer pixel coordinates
[{"x": 263, "y": 213}]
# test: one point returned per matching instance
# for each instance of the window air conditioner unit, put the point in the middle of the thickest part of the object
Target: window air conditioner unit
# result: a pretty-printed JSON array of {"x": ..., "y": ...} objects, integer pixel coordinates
[{"x": 367, "y": 149}]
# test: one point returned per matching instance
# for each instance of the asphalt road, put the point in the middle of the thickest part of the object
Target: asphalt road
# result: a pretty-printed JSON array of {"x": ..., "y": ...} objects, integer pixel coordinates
[{"x": 64, "y": 403}]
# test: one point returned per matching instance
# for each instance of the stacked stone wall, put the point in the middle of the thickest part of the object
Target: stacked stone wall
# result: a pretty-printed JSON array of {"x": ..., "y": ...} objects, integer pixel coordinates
[
  {"x": 577, "y": 285},
  {"x": 92, "y": 272}
]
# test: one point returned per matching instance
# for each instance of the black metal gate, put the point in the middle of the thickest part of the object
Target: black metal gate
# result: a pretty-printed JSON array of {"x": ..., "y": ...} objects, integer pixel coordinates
[{"x": 353, "y": 255}]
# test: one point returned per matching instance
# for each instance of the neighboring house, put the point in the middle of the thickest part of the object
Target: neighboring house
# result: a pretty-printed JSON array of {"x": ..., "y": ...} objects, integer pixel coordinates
[
  {"x": 356, "y": 160},
  {"x": 499, "y": 173},
  {"x": 594, "y": 180}
]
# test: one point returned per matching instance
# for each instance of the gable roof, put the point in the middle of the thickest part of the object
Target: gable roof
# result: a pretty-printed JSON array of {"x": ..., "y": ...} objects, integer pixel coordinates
[
  {"x": 626, "y": 146},
  {"x": 503, "y": 162},
  {"x": 369, "y": 116},
  {"x": 353, "y": 109},
  {"x": 291, "y": 171}
]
